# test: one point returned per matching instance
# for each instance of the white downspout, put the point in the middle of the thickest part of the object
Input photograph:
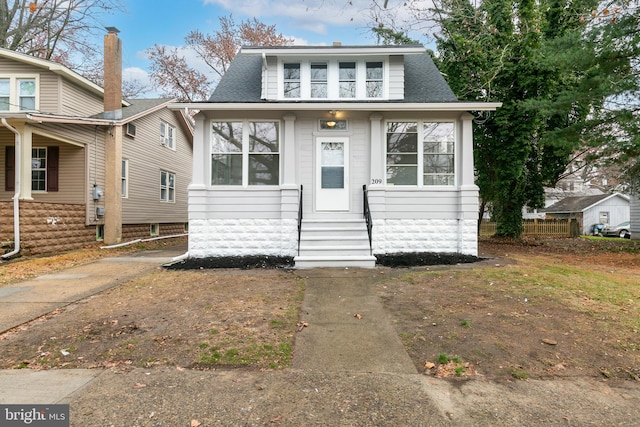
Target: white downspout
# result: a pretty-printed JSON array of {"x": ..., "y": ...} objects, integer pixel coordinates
[{"x": 16, "y": 196}]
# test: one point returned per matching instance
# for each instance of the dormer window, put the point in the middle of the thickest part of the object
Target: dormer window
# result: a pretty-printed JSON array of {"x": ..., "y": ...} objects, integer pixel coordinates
[
  {"x": 292, "y": 80},
  {"x": 374, "y": 80},
  {"x": 319, "y": 80},
  {"x": 333, "y": 79},
  {"x": 347, "y": 75}
]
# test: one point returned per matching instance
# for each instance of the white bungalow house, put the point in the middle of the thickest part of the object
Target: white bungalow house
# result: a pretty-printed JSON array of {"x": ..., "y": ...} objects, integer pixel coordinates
[{"x": 332, "y": 155}]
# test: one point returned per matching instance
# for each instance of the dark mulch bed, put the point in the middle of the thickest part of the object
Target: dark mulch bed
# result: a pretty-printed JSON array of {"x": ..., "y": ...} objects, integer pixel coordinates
[{"x": 264, "y": 261}]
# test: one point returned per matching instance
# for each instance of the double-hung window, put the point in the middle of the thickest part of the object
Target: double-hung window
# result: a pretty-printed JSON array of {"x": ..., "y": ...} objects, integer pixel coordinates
[
  {"x": 38, "y": 169},
  {"x": 167, "y": 135},
  {"x": 125, "y": 179},
  {"x": 374, "y": 79},
  {"x": 319, "y": 80},
  {"x": 167, "y": 186},
  {"x": 245, "y": 153},
  {"x": 18, "y": 93},
  {"x": 292, "y": 80},
  {"x": 5, "y": 94},
  {"x": 347, "y": 75},
  {"x": 420, "y": 153}
]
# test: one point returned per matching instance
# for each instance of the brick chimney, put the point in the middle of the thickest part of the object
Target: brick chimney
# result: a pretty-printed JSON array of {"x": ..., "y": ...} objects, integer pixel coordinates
[{"x": 112, "y": 74}]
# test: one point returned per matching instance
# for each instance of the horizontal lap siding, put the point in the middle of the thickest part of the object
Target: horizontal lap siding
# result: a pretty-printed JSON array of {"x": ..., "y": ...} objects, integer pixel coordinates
[
  {"x": 246, "y": 203},
  {"x": 78, "y": 102},
  {"x": 635, "y": 217},
  {"x": 423, "y": 204},
  {"x": 396, "y": 77},
  {"x": 147, "y": 157}
]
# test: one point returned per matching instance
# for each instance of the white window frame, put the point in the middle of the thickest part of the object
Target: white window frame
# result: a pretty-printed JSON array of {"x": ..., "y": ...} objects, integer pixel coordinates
[
  {"x": 420, "y": 153},
  {"x": 245, "y": 152},
  {"x": 169, "y": 191},
  {"x": 333, "y": 78},
  {"x": 39, "y": 169},
  {"x": 14, "y": 91},
  {"x": 125, "y": 179},
  {"x": 168, "y": 135}
]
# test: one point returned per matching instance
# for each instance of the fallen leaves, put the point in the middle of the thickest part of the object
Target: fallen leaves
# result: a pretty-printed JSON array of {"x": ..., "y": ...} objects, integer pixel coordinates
[
  {"x": 358, "y": 316},
  {"x": 301, "y": 325}
]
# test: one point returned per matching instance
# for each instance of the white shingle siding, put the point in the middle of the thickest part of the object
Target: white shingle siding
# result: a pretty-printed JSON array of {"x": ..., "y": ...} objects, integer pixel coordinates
[
  {"x": 635, "y": 216},
  {"x": 396, "y": 77}
]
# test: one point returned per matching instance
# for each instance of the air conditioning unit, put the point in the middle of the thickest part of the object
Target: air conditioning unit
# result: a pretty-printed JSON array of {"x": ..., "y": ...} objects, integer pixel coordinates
[{"x": 130, "y": 130}]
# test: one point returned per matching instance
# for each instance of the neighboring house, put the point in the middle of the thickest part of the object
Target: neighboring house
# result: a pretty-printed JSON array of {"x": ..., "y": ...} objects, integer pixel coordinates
[
  {"x": 80, "y": 164},
  {"x": 635, "y": 217},
  {"x": 589, "y": 210},
  {"x": 295, "y": 133}
]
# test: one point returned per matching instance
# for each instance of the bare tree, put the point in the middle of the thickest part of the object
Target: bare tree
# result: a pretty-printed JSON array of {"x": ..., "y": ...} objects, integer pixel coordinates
[
  {"x": 58, "y": 30},
  {"x": 176, "y": 78}
]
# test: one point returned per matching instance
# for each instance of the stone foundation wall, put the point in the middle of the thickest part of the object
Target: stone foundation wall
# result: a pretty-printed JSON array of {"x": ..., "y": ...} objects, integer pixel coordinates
[
  {"x": 52, "y": 227},
  {"x": 433, "y": 235},
  {"x": 47, "y": 227},
  {"x": 242, "y": 237}
]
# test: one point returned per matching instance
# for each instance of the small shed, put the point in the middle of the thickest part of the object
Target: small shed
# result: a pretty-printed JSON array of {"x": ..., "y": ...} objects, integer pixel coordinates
[{"x": 588, "y": 210}]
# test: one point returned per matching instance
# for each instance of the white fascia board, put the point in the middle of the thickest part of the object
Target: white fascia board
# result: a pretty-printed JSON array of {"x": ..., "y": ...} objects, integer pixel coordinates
[
  {"x": 336, "y": 51},
  {"x": 374, "y": 106}
]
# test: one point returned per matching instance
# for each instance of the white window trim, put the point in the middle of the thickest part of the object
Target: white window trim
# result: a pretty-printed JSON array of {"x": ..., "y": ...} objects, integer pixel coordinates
[
  {"x": 333, "y": 78},
  {"x": 168, "y": 141},
  {"x": 245, "y": 153},
  {"x": 420, "y": 173},
  {"x": 168, "y": 200},
  {"x": 14, "y": 93},
  {"x": 125, "y": 178},
  {"x": 46, "y": 174}
]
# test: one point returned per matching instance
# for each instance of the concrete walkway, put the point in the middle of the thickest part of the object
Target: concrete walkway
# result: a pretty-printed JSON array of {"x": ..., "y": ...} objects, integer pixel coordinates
[{"x": 348, "y": 328}]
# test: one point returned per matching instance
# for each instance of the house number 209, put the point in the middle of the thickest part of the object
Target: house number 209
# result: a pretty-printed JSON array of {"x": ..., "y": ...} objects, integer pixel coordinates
[{"x": 376, "y": 181}]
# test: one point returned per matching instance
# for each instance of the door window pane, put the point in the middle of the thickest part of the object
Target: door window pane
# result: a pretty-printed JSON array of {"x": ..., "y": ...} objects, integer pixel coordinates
[{"x": 332, "y": 165}]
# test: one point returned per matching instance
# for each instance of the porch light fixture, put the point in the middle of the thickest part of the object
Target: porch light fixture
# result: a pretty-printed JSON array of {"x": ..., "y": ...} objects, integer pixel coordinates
[{"x": 331, "y": 122}]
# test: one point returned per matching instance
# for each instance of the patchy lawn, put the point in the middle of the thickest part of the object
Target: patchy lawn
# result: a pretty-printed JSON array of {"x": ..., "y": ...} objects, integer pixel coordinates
[{"x": 540, "y": 309}]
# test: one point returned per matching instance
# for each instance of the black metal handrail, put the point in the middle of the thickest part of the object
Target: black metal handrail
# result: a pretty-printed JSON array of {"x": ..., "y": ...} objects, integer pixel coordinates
[
  {"x": 299, "y": 217},
  {"x": 367, "y": 216}
]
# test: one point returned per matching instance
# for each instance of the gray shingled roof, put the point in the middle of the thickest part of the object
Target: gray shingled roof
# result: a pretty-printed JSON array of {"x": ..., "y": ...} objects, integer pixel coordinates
[
  {"x": 574, "y": 204},
  {"x": 138, "y": 106},
  {"x": 242, "y": 81}
]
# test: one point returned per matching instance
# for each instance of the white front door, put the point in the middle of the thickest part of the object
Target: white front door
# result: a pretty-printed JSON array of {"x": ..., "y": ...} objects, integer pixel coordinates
[{"x": 332, "y": 174}]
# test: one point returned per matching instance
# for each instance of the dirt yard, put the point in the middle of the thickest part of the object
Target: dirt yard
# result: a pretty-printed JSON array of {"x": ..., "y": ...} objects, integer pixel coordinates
[{"x": 542, "y": 309}]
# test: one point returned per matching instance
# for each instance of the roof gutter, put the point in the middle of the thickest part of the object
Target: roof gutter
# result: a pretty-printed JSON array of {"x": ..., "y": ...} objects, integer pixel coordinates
[
  {"x": 16, "y": 196},
  {"x": 345, "y": 106}
]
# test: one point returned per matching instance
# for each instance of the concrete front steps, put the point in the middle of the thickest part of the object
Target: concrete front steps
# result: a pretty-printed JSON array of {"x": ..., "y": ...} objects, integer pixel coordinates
[{"x": 334, "y": 243}]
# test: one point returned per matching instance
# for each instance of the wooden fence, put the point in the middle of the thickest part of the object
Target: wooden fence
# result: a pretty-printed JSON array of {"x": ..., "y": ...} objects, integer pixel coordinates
[{"x": 539, "y": 227}]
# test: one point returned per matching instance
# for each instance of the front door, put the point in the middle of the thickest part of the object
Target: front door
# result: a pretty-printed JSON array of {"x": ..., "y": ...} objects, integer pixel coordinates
[{"x": 332, "y": 174}]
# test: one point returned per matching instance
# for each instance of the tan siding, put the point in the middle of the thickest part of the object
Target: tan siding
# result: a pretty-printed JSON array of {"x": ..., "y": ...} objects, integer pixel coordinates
[
  {"x": 6, "y": 139},
  {"x": 396, "y": 77},
  {"x": 147, "y": 157},
  {"x": 95, "y": 174},
  {"x": 78, "y": 102},
  {"x": 71, "y": 171},
  {"x": 50, "y": 93}
]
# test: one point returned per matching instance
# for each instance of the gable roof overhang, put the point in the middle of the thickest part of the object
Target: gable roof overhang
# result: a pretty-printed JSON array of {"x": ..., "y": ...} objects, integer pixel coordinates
[{"x": 55, "y": 68}]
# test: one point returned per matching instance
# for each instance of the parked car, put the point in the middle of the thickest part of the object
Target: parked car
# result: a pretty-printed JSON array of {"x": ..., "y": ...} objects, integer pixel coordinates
[{"x": 621, "y": 230}]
